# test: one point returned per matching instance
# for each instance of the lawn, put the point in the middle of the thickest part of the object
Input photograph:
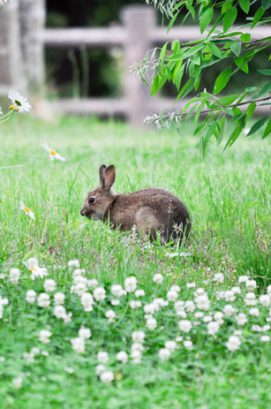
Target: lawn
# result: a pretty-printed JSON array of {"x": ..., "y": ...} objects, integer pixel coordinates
[{"x": 229, "y": 198}]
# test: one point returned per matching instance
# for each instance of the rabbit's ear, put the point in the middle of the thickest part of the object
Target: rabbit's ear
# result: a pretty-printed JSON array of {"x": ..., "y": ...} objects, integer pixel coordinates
[
  {"x": 101, "y": 173},
  {"x": 109, "y": 176}
]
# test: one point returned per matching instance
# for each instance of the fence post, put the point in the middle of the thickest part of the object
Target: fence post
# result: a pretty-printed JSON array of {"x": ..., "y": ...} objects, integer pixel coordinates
[
  {"x": 139, "y": 22},
  {"x": 32, "y": 21},
  {"x": 11, "y": 72}
]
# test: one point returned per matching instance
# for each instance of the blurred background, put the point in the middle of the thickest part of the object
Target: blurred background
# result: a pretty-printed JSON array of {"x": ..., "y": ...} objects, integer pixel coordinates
[{"x": 93, "y": 67}]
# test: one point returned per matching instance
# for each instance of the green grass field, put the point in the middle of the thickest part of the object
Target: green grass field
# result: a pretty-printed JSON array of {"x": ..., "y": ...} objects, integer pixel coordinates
[{"x": 229, "y": 198}]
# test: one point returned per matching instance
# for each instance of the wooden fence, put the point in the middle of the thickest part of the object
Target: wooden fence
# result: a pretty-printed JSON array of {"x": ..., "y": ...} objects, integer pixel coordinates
[{"x": 137, "y": 34}]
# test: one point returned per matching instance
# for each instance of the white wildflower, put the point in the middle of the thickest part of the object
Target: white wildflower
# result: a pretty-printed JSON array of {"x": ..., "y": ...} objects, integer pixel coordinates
[
  {"x": 241, "y": 319},
  {"x": 117, "y": 291},
  {"x": 99, "y": 294},
  {"x": 138, "y": 336},
  {"x": 27, "y": 211},
  {"x": 250, "y": 299},
  {"x": 59, "y": 298},
  {"x": 44, "y": 336},
  {"x": 172, "y": 295},
  {"x": 164, "y": 354},
  {"x": 78, "y": 345},
  {"x": 151, "y": 323},
  {"x": 229, "y": 310},
  {"x": 14, "y": 276},
  {"x": 233, "y": 343},
  {"x": 130, "y": 284},
  {"x": 18, "y": 102},
  {"x": 100, "y": 369},
  {"x": 110, "y": 315},
  {"x": 171, "y": 345},
  {"x": 17, "y": 382},
  {"x": 73, "y": 264},
  {"x": 265, "y": 300},
  {"x": 188, "y": 344},
  {"x": 87, "y": 302},
  {"x": 254, "y": 312},
  {"x": 31, "y": 296},
  {"x": 107, "y": 377},
  {"x": 122, "y": 356},
  {"x": 219, "y": 278},
  {"x": 49, "y": 285},
  {"x": 185, "y": 325},
  {"x": 84, "y": 333},
  {"x": 43, "y": 300},
  {"x": 265, "y": 338},
  {"x": 134, "y": 304},
  {"x": 139, "y": 293},
  {"x": 102, "y": 357},
  {"x": 158, "y": 278},
  {"x": 213, "y": 327},
  {"x": 53, "y": 153}
]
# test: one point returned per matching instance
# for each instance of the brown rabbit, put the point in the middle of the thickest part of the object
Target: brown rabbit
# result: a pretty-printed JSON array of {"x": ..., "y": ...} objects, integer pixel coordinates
[{"x": 149, "y": 210}]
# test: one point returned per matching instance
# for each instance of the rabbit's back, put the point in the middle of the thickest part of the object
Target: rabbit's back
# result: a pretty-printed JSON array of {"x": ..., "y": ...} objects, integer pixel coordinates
[{"x": 151, "y": 210}]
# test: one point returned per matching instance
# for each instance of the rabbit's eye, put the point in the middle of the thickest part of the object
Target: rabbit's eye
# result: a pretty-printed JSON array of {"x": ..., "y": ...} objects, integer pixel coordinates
[{"x": 91, "y": 200}]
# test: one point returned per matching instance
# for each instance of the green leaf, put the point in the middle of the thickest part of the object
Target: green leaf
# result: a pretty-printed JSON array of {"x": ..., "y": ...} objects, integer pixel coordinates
[
  {"x": 257, "y": 126},
  {"x": 163, "y": 52},
  {"x": 267, "y": 130},
  {"x": 215, "y": 50},
  {"x": 245, "y": 38},
  {"x": 236, "y": 132},
  {"x": 265, "y": 71},
  {"x": 229, "y": 18},
  {"x": 236, "y": 48},
  {"x": 245, "y": 5},
  {"x": 206, "y": 18},
  {"x": 257, "y": 16},
  {"x": 205, "y": 138},
  {"x": 222, "y": 80},
  {"x": 158, "y": 83},
  {"x": 228, "y": 100},
  {"x": 178, "y": 74},
  {"x": 250, "y": 109},
  {"x": 226, "y": 5},
  {"x": 266, "y": 4},
  {"x": 242, "y": 64}
]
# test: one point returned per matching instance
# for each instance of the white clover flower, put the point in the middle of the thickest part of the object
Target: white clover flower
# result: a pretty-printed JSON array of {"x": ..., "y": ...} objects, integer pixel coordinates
[
  {"x": 99, "y": 294},
  {"x": 130, "y": 284},
  {"x": 43, "y": 300},
  {"x": 3, "y": 301},
  {"x": 233, "y": 343},
  {"x": 27, "y": 211},
  {"x": 200, "y": 291},
  {"x": 87, "y": 302},
  {"x": 107, "y": 377},
  {"x": 60, "y": 312},
  {"x": 36, "y": 271},
  {"x": 241, "y": 319},
  {"x": 202, "y": 301},
  {"x": 92, "y": 283},
  {"x": 100, "y": 369},
  {"x": 265, "y": 300},
  {"x": 172, "y": 295},
  {"x": 102, "y": 357},
  {"x": 139, "y": 293},
  {"x": 219, "y": 278},
  {"x": 159, "y": 303},
  {"x": 151, "y": 323},
  {"x": 138, "y": 336},
  {"x": 171, "y": 345},
  {"x": 243, "y": 279},
  {"x": 122, "y": 356},
  {"x": 18, "y": 381},
  {"x": 229, "y": 296},
  {"x": 189, "y": 306},
  {"x": 115, "y": 302},
  {"x": 117, "y": 290},
  {"x": 28, "y": 357},
  {"x": 265, "y": 338},
  {"x": 18, "y": 102},
  {"x": 53, "y": 153},
  {"x": 236, "y": 290},
  {"x": 79, "y": 272},
  {"x": 110, "y": 315},
  {"x": 136, "y": 356},
  {"x": 158, "y": 278},
  {"x": 73, "y": 264},
  {"x": 134, "y": 304},
  {"x": 254, "y": 312},
  {"x": 49, "y": 285},
  {"x": 14, "y": 276},
  {"x": 188, "y": 344},
  {"x": 59, "y": 298},
  {"x": 164, "y": 354},
  {"x": 150, "y": 308},
  {"x": 84, "y": 333},
  {"x": 251, "y": 285},
  {"x": 175, "y": 288},
  {"x": 44, "y": 336},
  {"x": 250, "y": 299},
  {"x": 207, "y": 318},
  {"x": 213, "y": 327},
  {"x": 185, "y": 325},
  {"x": 191, "y": 285},
  {"x": 269, "y": 290},
  {"x": 137, "y": 346},
  {"x": 218, "y": 316},
  {"x": 199, "y": 314},
  {"x": 78, "y": 345},
  {"x": 229, "y": 310}
]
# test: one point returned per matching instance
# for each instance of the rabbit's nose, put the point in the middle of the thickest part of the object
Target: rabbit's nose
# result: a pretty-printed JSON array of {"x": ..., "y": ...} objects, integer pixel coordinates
[{"x": 82, "y": 212}]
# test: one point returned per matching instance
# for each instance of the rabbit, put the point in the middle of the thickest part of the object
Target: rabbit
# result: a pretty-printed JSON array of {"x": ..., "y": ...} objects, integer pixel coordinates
[{"x": 148, "y": 211}]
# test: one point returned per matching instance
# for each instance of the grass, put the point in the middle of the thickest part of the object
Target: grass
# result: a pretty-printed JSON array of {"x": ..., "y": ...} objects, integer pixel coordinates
[{"x": 229, "y": 197}]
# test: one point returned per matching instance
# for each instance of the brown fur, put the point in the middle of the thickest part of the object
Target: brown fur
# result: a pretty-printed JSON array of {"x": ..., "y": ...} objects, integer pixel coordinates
[{"x": 149, "y": 210}]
